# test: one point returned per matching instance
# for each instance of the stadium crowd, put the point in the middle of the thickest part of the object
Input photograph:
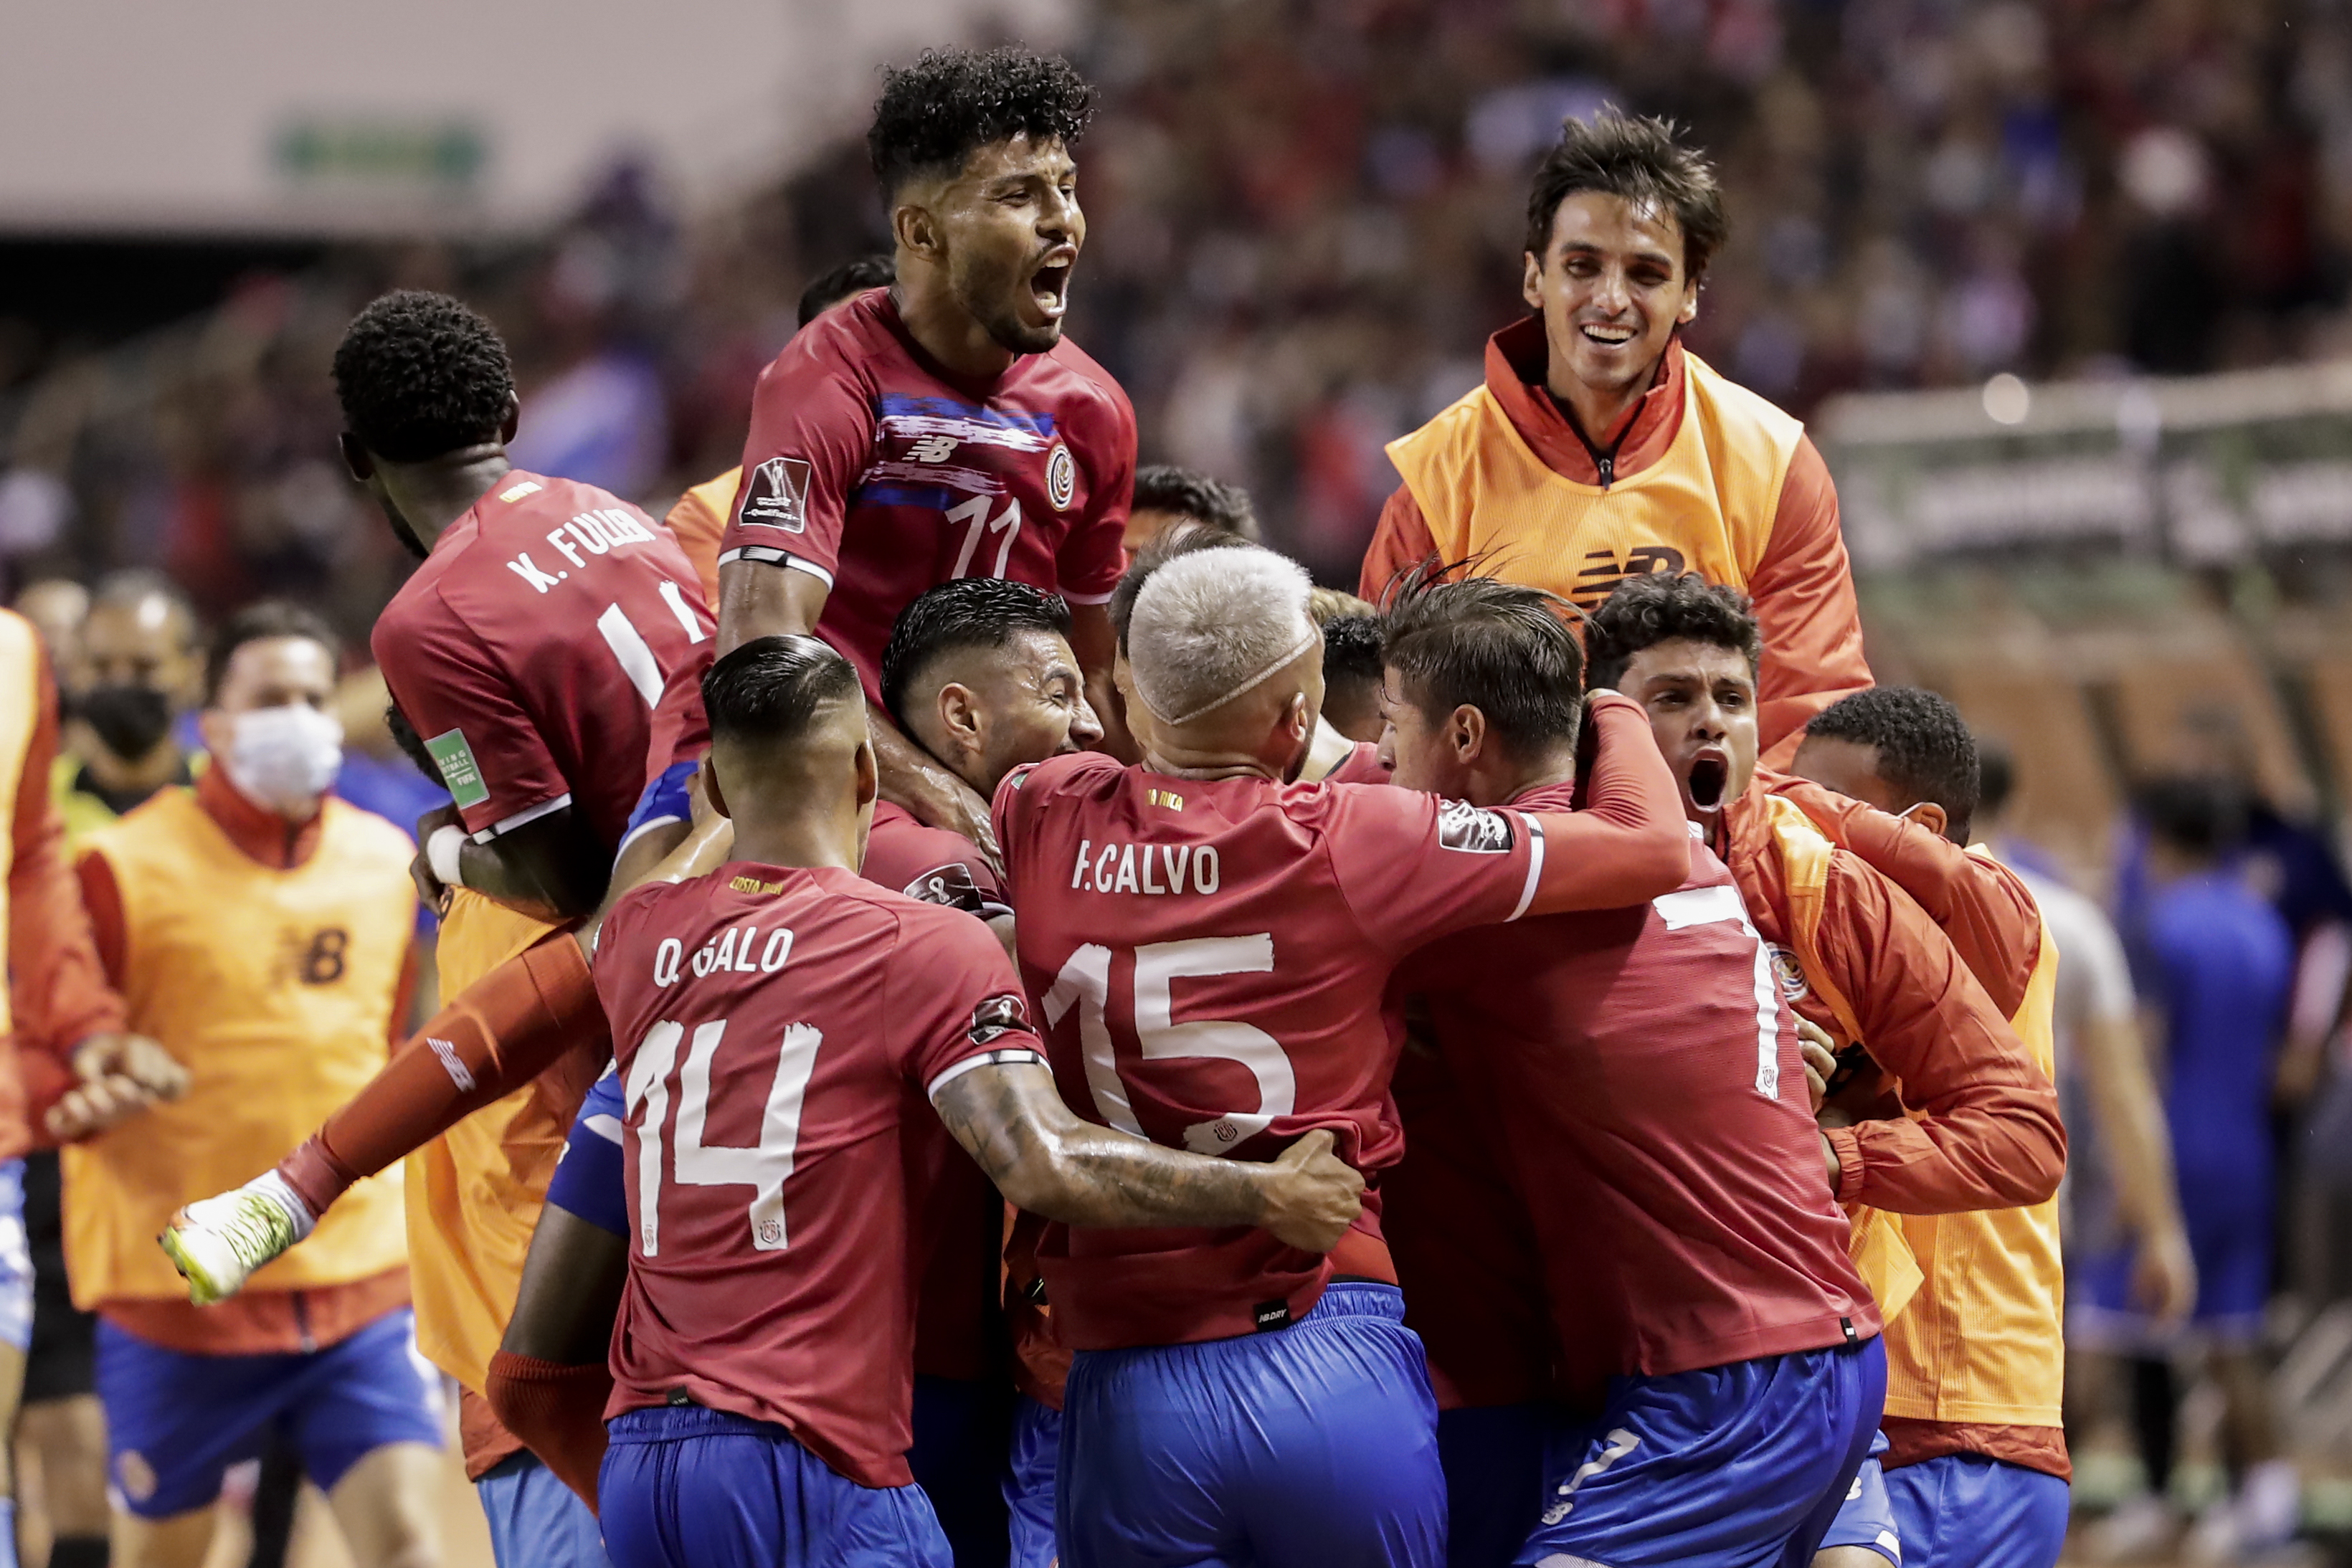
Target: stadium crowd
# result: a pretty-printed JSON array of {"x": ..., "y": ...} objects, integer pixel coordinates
[{"x": 1806, "y": 1307}]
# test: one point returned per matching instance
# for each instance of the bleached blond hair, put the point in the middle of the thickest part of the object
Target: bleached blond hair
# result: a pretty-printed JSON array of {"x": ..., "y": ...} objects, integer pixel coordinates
[{"x": 1210, "y": 626}]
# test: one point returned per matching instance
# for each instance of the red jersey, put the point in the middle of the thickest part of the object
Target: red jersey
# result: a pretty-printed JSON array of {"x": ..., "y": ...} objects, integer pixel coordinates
[
  {"x": 1644, "y": 1076},
  {"x": 778, "y": 1031},
  {"x": 875, "y": 468},
  {"x": 550, "y": 651},
  {"x": 959, "y": 1217},
  {"x": 1210, "y": 957}
]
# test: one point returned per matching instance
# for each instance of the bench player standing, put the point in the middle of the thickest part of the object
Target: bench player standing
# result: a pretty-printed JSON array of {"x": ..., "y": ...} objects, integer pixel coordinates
[
  {"x": 1211, "y": 945},
  {"x": 942, "y": 427},
  {"x": 780, "y": 1022},
  {"x": 1643, "y": 1079}
]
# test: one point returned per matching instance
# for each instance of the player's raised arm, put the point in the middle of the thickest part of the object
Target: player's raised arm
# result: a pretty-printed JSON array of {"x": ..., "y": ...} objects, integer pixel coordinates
[
  {"x": 1043, "y": 1158},
  {"x": 1630, "y": 844}
]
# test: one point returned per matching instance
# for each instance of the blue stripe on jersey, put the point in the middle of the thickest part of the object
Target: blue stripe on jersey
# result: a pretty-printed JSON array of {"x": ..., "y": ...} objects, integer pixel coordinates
[
  {"x": 936, "y": 496},
  {"x": 905, "y": 406}
]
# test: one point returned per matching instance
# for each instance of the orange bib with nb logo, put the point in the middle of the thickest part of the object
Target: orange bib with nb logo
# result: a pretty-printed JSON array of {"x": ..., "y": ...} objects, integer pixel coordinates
[
  {"x": 276, "y": 988},
  {"x": 1707, "y": 506}
]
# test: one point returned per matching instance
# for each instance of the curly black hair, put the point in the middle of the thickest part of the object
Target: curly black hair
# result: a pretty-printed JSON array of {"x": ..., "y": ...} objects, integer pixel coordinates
[
  {"x": 1925, "y": 748},
  {"x": 1504, "y": 648},
  {"x": 1638, "y": 158},
  {"x": 1165, "y": 488},
  {"x": 934, "y": 114},
  {"x": 419, "y": 374},
  {"x": 1659, "y": 607},
  {"x": 1351, "y": 649},
  {"x": 969, "y": 612}
]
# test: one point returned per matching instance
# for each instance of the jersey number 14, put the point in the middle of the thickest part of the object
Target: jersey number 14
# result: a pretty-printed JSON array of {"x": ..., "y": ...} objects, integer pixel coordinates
[{"x": 763, "y": 1167}]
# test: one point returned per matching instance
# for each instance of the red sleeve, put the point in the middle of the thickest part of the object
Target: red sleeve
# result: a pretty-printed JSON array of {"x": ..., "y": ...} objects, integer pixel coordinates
[
  {"x": 458, "y": 695},
  {"x": 58, "y": 990},
  {"x": 1978, "y": 903},
  {"x": 1984, "y": 1131},
  {"x": 1401, "y": 540},
  {"x": 1094, "y": 554},
  {"x": 1415, "y": 868},
  {"x": 1803, "y": 591},
  {"x": 812, "y": 432},
  {"x": 961, "y": 1003}
]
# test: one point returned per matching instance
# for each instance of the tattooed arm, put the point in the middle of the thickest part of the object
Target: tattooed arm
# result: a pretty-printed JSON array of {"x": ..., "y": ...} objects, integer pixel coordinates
[{"x": 1043, "y": 1158}]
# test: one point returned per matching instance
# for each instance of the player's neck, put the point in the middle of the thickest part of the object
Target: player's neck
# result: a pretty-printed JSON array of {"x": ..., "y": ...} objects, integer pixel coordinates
[
  {"x": 799, "y": 838},
  {"x": 431, "y": 496},
  {"x": 1601, "y": 414},
  {"x": 937, "y": 320},
  {"x": 1514, "y": 779}
]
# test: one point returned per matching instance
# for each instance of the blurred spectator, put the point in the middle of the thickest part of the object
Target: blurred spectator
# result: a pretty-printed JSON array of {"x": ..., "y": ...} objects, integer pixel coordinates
[
  {"x": 143, "y": 676},
  {"x": 57, "y": 606},
  {"x": 2216, "y": 966}
]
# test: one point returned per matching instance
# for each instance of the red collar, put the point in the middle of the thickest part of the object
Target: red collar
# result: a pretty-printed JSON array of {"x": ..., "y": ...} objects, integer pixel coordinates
[
  {"x": 1516, "y": 361},
  {"x": 259, "y": 834}
]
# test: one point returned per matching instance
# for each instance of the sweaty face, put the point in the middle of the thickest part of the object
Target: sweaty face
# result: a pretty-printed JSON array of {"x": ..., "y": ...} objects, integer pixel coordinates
[
  {"x": 1701, "y": 700},
  {"x": 1012, "y": 232},
  {"x": 1611, "y": 288},
  {"x": 1413, "y": 745},
  {"x": 1034, "y": 703}
]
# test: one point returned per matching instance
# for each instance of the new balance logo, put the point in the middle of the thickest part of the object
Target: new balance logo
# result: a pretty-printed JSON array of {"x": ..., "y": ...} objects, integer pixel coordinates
[
  {"x": 933, "y": 449},
  {"x": 447, "y": 1054},
  {"x": 1602, "y": 571}
]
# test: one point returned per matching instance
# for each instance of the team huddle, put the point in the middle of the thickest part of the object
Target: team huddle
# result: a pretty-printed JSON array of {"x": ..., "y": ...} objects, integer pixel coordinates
[{"x": 951, "y": 1054}]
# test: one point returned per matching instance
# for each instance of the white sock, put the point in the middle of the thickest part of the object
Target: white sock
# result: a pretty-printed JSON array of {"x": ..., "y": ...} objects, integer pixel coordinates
[{"x": 2270, "y": 1502}]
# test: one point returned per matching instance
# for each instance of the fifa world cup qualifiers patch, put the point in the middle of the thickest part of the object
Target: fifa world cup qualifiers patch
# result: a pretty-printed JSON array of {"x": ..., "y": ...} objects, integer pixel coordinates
[
  {"x": 1474, "y": 829},
  {"x": 460, "y": 774},
  {"x": 777, "y": 495},
  {"x": 952, "y": 886},
  {"x": 998, "y": 1016}
]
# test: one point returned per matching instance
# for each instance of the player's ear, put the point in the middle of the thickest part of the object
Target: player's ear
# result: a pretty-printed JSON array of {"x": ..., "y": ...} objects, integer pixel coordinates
[
  {"x": 358, "y": 461},
  {"x": 1931, "y": 815},
  {"x": 869, "y": 777},
  {"x": 1531, "y": 281},
  {"x": 512, "y": 422},
  {"x": 962, "y": 715},
  {"x": 1466, "y": 728},
  {"x": 917, "y": 231},
  {"x": 717, "y": 796},
  {"x": 1689, "y": 312}
]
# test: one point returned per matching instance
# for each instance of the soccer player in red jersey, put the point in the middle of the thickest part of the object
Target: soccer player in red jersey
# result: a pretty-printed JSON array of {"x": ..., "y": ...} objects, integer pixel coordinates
[
  {"x": 777, "y": 1021},
  {"x": 1644, "y": 1080},
  {"x": 1983, "y": 1129},
  {"x": 942, "y": 427},
  {"x": 549, "y": 651},
  {"x": 1211, "y": 945}
]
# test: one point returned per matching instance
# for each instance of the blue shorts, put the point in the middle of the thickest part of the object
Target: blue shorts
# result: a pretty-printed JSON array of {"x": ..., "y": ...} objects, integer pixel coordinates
[
  {"x": 176, "y": 1422},
  {"x": 590, "y": 1181},
  {"x": 684, "y": 1486},
  {"x": 2231, "y": 1246},
  {"x": 961, "y": 1431},
  {"x": 1867, "y": 1519},
  {"x": 537, "y": 1522},
  {"x": 1494, "y": 1459},
  {"x": 666, "y": 800},
  {"x": 1029, "y": 1483},
  {"x": 1741, "y": 1465},
  {"x": 15, "y": 1261},
  {"x": 1966, "y": 1509},
  {"x": 1309, "y": 1447}
]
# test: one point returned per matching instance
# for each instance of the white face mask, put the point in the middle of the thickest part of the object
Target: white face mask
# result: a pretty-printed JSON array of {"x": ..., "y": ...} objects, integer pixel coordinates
[{"x": 285, "y": 757}]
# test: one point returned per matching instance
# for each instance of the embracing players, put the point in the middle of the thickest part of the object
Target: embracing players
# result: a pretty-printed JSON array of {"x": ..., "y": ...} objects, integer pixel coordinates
[{"x": 1213, "y": 945}]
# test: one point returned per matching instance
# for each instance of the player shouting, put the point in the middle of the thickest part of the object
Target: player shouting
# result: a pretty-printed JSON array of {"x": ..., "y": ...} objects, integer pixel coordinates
[
  {"x": 942, "y": 427},
  {"x": 777, "y": 1020},
  {"x": 1644, "y": 1077},
  {"x": 1212, "y": 945}
]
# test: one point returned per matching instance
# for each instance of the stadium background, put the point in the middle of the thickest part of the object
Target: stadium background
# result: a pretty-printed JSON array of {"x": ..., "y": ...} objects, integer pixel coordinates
[{"x": 2060, "y": 288}]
